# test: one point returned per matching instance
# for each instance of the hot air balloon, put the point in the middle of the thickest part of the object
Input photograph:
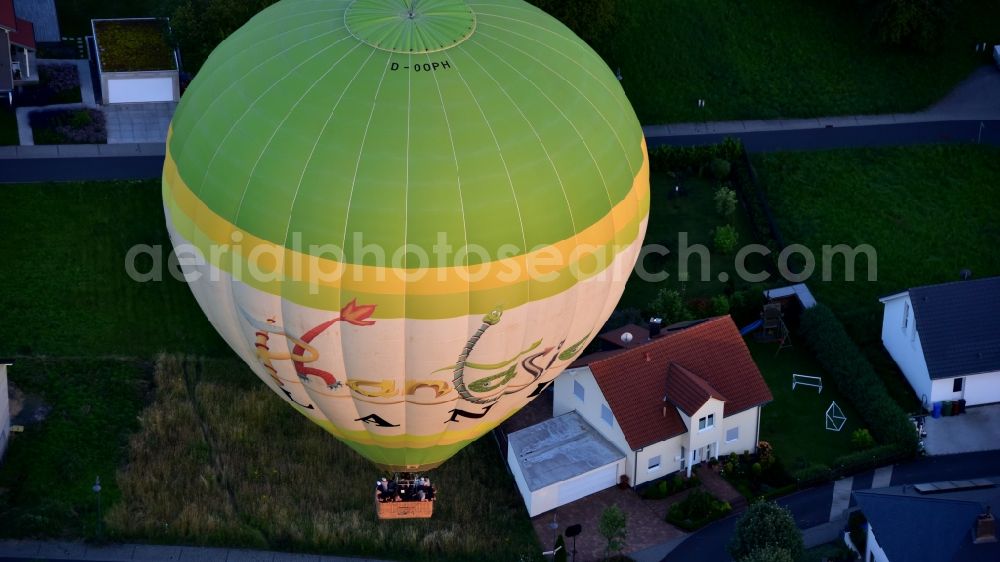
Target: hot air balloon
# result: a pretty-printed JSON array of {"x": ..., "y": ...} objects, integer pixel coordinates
[{"x": 406, "y": 216}]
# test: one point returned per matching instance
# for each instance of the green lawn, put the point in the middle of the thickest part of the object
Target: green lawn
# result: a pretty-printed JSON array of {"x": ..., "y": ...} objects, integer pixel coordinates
[
  {"x": 694, "y": 216},
  {"x": 66, "y": 291},
  {"x": 795, "y": 422},
  {"x": 928, "y": 212},
  {"x": 780, "y": 58},
  {"x": 48, "y": 472}
]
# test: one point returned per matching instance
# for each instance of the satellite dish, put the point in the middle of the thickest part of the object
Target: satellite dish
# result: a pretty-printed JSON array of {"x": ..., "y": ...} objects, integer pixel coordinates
[{"x": 627, "y": 337}]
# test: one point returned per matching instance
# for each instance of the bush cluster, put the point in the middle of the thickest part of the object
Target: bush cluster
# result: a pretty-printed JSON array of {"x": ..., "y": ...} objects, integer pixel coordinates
[
  {"x": 669, "y": 487},
  {"x": 854, "y": 376},
  {"x": 69, "y": 126},
  {"x": 57, "y": 83},
  {"x": 697, "y": 510}
]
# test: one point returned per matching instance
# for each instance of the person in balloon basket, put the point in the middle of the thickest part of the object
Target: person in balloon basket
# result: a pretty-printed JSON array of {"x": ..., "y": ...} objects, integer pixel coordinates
[{"x": 382, "y": 490}]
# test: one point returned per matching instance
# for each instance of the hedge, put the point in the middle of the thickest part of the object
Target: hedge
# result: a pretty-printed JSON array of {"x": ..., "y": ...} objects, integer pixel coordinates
[
  {"x": 667, "y": 158},
  {"x": 855, "y": 377}
]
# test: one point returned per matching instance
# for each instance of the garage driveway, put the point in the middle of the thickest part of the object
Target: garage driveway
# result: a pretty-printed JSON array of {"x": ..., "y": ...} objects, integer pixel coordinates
[
  {"x": 138, "y": 122},
  {"x": 646, "y": 524},
  {"x": 978, "y": 429}
]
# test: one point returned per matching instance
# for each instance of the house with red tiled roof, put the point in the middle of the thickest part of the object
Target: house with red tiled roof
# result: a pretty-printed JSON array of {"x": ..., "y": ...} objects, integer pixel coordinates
[
  {"x": 17, "y": 49},
  {"x": 656, "y": 405}
]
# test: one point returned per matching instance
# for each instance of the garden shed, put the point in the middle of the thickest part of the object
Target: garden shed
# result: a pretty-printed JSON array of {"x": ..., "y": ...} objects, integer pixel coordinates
[{"x": 135, "y": 60}]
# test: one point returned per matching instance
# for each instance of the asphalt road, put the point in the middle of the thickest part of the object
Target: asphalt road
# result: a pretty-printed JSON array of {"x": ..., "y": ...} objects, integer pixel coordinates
[
  {"x": 812, "y": 507},
  {"x": 897, "y": 134},
  {"x": 149, "y": 167}
]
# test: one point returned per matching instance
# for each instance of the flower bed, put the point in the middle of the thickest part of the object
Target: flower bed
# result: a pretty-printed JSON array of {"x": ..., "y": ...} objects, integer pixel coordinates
[
  {"x": 755, "y": 476},
  {"x": 697, "y": 510},
  {"x": 57, "y": 83},
  {"x": 668, "y": 487},
  {"x": 69, "y": 126}
]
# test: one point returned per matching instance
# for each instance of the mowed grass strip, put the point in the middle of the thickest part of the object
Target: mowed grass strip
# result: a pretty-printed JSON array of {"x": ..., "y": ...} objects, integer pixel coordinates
[
  {"x": 66, "y": 291},
  {"x": 89, "y": 409},
  {"x": 220, "y": 460},
  {"x": 780, "y": 58},
  {"x": 928, "y": 212},
  {"x": 795, "y": 422}
]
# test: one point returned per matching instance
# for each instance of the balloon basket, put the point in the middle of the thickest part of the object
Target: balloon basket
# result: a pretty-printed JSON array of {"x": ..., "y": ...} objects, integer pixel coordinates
[{"x": 404, "y": 509}]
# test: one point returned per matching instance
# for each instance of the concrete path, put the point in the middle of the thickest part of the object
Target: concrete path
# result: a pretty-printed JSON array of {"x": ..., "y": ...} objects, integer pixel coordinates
[
  {"x": 54, "y": 550},
  {"x": 882, "y": 477},
  {"x": 841, "y": 497}
]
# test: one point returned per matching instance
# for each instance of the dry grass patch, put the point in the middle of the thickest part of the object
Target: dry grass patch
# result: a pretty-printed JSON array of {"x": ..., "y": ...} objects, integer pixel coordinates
[{"x": 221, "y": 460}]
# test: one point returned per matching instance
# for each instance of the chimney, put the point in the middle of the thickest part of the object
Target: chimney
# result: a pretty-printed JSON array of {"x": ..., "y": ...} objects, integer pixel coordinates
[
  {"x": 985, "y": 529},
  {"x": 654, "y": 327}
]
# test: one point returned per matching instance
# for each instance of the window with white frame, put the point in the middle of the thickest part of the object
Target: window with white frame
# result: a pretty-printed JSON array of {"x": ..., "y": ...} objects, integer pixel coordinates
[
  {"x": 732, "y": 434},
  {"x": 707, "y": 422},
  {"x": 654, "y": 463},
  {"x": 578, "y": 390},
  {"x": 906, "y": 315},
  {"x": 607, "y": 416},
  {"x": 956, "y": 384}
]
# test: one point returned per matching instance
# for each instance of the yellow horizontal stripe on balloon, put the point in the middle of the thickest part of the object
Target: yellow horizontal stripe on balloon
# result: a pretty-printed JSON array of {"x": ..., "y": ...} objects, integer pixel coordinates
[
  {"x": 632, "y": 208},
  {"x": 449, "y": 305},
  {"x": 468, "y": 432}
]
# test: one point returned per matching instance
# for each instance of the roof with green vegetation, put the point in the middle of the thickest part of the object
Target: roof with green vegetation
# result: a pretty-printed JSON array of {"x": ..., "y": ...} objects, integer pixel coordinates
[{"x": 132, "y": 45}]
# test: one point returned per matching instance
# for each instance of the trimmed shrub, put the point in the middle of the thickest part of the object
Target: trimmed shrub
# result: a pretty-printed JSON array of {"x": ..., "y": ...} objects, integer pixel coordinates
[
  {"x": 813, "y": 474},
  {"x": 766, "y": 524},
  {"x": 768, "y": 553},
  {"x": 854, "y": 376},
  {"x": 725, "y": 201},
  {"x": 720, "y": 168},
  {"x": 680, "y": 158},
  {"x": 69, "y": 126},
  {"x": 697, "y": 510},
  {"x": 725, "y": 239},
  {"x": 861, "y": 439}
]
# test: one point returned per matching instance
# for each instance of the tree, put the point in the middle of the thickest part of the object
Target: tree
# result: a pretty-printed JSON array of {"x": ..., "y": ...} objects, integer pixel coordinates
[
  {"x": 669, "y": 305},
  {"x": 861, "y": 439},
  {"x": 720, "y": 168},
  {"x": 725, "y": 201},
  {"x": 613, "y": 527},
  {"x": 919, "y": 24},
  {"x": 725, "y": 239},
  {"x": 768, "y": 554},
  {"x": 766, "y": 525},
  {"x": 560, "y": 548}
]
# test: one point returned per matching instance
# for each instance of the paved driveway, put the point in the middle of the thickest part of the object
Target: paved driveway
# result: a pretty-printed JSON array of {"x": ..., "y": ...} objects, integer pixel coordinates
[
  {"x": 138, "y": 122},
  {"x": 978, "y": 429},
  {"x": 646, "y": 524}
]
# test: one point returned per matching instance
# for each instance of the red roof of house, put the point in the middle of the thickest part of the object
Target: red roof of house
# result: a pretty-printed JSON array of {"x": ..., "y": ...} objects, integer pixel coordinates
[
  {"x": 24, "y": 35},
  {"x": 707, "y": 359},
  {"x": 7, "y": 18},
  {"x": 688, "y": 391}
]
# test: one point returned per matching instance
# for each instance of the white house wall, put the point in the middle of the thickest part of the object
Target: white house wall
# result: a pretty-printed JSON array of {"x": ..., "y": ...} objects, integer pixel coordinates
[
  {"x": 564, "y": 400},
  {"x": 747, "y": 440},
  {"x": 669, "y": 452},
  {"x": 904, "y": 344},
  {"x": 874, "y": 552},
  {"x": 522, "y": 485},
  {"x": 712, "y": 436},
  {"x": 978, "y": 389}
]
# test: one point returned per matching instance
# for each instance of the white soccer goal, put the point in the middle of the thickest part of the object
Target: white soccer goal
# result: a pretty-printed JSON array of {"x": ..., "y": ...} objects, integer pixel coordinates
[
  {"x": 835, "y": 418},
  {"x": 807, "y": 380}
]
